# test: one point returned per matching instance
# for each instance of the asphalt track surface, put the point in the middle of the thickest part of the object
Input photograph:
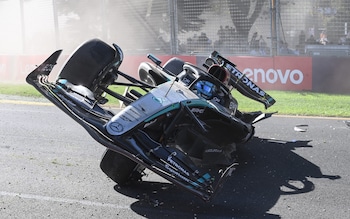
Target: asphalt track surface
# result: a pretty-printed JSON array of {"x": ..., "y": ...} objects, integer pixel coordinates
[{"x": 49, "y": 168}]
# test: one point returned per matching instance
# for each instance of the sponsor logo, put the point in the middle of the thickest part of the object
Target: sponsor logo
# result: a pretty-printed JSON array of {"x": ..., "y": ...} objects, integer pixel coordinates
[
  {"x": 243, "y": 78},
  {"x": 197, "y": 110},
  {"x": 116, "y": 127},
  {"x": 213, "y": 150},
  {"x": 176, "y": 165},
  {"x": 46, "y": 68},
  {"x": 272, "y": 76},
  {"x": 171, "y": 170},
  {"x": 276, "y": 73}
]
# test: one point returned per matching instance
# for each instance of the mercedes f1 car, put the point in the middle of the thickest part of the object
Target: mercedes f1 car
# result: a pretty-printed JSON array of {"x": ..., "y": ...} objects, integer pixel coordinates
[{"x": 178, "y": 120}]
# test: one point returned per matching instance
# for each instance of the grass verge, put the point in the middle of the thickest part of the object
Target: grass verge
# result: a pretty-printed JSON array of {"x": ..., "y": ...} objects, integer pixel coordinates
[{"x": 287, "y": 102}]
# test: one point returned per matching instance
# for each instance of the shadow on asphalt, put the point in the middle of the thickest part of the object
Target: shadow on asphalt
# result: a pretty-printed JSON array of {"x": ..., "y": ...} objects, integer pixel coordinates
[{"x": 267, "y": 169}]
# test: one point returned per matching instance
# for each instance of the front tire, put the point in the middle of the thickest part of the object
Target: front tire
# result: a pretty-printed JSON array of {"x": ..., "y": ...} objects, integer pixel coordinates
[
  {"x": 86, "y": 63},
  {"x": 119, "y": 168}
]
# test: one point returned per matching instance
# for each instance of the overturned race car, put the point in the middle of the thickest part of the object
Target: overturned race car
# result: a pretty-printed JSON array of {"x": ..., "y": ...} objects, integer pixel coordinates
[{"x": 179, "y": 120}]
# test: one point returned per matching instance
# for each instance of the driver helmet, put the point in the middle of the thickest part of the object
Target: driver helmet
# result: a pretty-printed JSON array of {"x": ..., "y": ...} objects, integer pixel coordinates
[
  {"x": 220, "y": 73},
  {"x": 205, "y": 89}
]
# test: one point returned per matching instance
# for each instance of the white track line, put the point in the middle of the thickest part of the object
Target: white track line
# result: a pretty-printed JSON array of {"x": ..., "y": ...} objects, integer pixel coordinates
[
  {"x": 62, "y": 200},
  {"x": 24, "y": 102}
]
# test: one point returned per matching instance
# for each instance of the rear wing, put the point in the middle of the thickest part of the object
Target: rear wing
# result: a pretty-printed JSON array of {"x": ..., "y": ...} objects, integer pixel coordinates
[{"x": 241, "y": 82}]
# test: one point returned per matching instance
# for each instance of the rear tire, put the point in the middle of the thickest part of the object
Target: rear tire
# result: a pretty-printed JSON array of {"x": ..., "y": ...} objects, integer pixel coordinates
[
  {"x": 147, "y": 78},
  {"x": 118, "y": 167},
  {"x": 149, "y": 75}
]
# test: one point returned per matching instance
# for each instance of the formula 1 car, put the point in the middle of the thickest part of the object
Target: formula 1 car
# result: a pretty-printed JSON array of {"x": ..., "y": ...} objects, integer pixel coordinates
[{"x": 179, "y": 121}]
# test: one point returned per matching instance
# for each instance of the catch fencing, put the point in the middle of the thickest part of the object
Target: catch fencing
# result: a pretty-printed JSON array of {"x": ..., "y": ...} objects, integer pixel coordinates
[
  {"x": 279, "y": 44},
  {"x": 186, "y": 27}
]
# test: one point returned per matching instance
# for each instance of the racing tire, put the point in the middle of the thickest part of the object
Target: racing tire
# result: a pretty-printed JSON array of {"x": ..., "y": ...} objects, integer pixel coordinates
[
  {"x": 148, "y": 79},
  {"x": 118, "y": 167},
  {"x": 174, "y": 65},
  {"x": 149, "y": 75},
  {"x": 86, "y": 63}
]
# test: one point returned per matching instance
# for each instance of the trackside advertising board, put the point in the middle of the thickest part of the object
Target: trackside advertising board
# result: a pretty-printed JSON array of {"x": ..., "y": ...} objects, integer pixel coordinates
[{"x": 320, "y": 74}]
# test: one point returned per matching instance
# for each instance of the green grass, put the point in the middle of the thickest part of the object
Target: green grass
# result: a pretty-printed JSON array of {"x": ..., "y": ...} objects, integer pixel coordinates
[
  {"x": 287, "y": 103},
  {"x": 19, "y": 89},
  {"x": 301, "y": 104}
]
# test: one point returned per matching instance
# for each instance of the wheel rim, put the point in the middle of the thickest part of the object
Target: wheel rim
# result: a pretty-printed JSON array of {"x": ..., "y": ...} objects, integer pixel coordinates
[{"x": 147, "y": 78}]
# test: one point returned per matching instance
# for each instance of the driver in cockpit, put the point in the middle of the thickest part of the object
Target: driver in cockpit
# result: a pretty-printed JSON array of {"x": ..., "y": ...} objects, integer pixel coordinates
[{"x": 211, "y": 92}]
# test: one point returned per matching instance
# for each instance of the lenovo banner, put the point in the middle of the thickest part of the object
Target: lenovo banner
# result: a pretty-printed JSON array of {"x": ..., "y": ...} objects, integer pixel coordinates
[{"x": 277, "y": 73}]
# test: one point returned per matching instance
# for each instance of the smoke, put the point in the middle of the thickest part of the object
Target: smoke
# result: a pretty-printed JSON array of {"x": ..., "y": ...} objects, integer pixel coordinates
[
  {"x": 32, "y": 30},
  {"x": 39, "y": 27},
  {"x": 10, "y": 23}
]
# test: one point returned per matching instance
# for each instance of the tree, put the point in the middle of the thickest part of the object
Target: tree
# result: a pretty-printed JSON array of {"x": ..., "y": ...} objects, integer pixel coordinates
[
  {"x": 189, "y": 12},
  {"x": 81, "y": 20},
  {"x": 244, "y": 14},
  {"x": 146, "y": 16}
]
